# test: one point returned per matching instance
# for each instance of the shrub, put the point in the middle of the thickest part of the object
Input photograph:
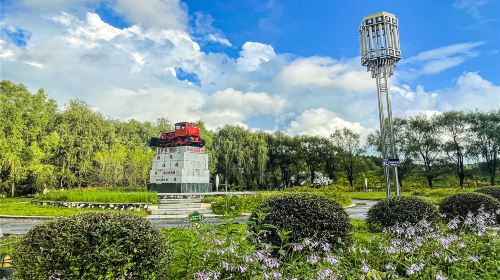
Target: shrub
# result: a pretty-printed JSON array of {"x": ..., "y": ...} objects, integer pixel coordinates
[
  {"x": 95, "y": 245},
  {"x": 304, "y": 216},
  {"x": 460, "y": 204},
  {"x": 493, "y": 191},
  {"x": 401, "y": 209}
]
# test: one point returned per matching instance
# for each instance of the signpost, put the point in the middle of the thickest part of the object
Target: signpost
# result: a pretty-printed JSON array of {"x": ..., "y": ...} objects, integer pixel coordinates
[{"x": 195, "y": 218}]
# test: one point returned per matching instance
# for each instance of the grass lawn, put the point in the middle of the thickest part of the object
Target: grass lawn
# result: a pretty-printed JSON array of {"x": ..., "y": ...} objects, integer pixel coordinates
[
  {"x": 432, "y": 195},
  {"x": 28, "y": 209},
  {"x": 14, "y": 200},
  {"x": 100, "y": 195}
]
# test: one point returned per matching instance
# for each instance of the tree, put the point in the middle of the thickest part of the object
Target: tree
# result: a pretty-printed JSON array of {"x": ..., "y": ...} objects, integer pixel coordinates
[
  {"x": 349, "y": 153},
  {"x": 485, "y": 128},
  {"x": 406, "y": 162},
  {"x": 454, "y": 129},
  {"x": 26, "y": 121},
  {"x": 83, "y": 133},
  {"x": 421, "y": 140},
  {"x": 312, "y": 150}
]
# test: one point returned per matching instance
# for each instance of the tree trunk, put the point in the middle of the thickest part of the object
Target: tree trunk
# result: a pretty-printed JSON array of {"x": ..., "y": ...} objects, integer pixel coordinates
[
  {"x": 13, "y": 189},
  {"x": 429, "y": 181}
]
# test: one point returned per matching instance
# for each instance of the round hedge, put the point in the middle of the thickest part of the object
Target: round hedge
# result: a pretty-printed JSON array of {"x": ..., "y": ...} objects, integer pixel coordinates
[
  {"x": 493, "y": 191},
  {"x": 95, "y": 245},
  {"x": 410, "y": 209},
  {"x": 460, "y": 204},
  {"x": 305, "y": 216}
]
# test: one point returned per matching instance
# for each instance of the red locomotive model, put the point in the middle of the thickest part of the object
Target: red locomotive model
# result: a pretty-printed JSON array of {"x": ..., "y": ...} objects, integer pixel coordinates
[{"x": 185, "y": 134}]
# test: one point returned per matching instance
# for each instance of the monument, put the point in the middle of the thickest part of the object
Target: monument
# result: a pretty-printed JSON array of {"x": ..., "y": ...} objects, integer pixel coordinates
[
  {"x": 380, "y": 51},
  {"x": 180, "y": 164}
]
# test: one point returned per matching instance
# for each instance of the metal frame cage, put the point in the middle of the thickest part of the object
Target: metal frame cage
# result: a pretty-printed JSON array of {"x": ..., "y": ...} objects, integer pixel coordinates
[{"x": 379, "y": 41}]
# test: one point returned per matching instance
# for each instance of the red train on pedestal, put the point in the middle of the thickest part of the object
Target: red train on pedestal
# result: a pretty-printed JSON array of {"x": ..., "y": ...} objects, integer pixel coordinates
[{"x": 184, "y": 134}]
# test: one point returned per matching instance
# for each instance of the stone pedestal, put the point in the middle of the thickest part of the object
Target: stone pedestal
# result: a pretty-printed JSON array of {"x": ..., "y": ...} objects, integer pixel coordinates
[{"x": 180, "y": 170}]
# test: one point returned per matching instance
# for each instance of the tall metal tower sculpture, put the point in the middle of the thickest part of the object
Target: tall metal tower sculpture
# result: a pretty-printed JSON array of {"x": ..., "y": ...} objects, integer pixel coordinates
[{"x": 380, "y": 50}]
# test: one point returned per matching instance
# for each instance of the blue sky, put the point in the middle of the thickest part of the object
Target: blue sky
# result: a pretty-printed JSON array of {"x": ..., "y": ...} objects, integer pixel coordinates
[{"x": 274, "y": 65}]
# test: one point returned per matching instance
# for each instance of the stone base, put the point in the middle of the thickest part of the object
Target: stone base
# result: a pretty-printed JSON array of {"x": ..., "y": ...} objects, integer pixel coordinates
[{"x": 180, "y": 188}]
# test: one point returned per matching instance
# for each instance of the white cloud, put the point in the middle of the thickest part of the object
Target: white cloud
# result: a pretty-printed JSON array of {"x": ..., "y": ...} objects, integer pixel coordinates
[
  {"x": 439, "y": 59},
  {"x": 253, "y": 54},
  {"x": 326, "y": 72},
  {"x": 321, "y": 122},
  {"x": 472, "y": 92},
  {"x": 163, "y": 14},
  {"x": 131, "y": 73},
  {"x": 234, "y": 107},
  {"x": 471, "y": 6}
]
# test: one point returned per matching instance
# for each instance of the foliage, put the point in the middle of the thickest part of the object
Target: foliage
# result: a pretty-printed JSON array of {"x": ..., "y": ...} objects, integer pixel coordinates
[
  {"x": 7, "y": 244},
  {"x": 347, "y": 143},
  {"x": 420, "y": 251},
  {"x": 93, "y": 246},
  {"x": 234, "y": 205},
  {"x": 99, "y": 195},
  {"x": 304, "y": 216},
  {"x": 42, "y": 147},
  {"x": 398, "y": 210},
  {"x": 28, "y": 209},
  {"x": 461, "y": 204},
  {"x": 493, "y": 191}
]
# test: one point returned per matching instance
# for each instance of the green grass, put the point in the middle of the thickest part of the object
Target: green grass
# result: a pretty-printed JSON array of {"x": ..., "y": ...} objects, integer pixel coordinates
[
  {"x": 99, "y": 195},
  {"x": 14, "y": 200},
  {"x": 28, "y": 209},
  {"x": 432, "y": 195},
  {"x": 370, "y": 195},
  {"x": 7, "y": 244}
]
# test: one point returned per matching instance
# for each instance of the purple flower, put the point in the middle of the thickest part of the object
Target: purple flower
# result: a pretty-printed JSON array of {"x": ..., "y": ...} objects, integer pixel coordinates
[
  {"x": 436, "y": 254},
  {"x": 414, "y": 268},
  {"x": 365, "y": 268},
  {"x": 461, "y": 245},
  {"x": 224, "y": 265},
  {"x": 297, "y": 247},
  {"x": 474, "y": 258},
  {"x": 332, "y": 260},
  {"x": 325, "y": 247},
  {"x": 440, "y": 276},
  {"x": 324, "y": 273},
  {"x": 312, "y": 259},
  {"x": 390, "y": 266},
  {"x": 453, "y": 224}
]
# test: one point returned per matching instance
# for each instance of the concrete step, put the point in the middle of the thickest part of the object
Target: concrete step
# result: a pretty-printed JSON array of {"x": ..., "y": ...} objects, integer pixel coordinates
[
  {"x": 179, "y": 211},
  {"x": 173, "y": 201},
  {"x": 183, "y": 205}
]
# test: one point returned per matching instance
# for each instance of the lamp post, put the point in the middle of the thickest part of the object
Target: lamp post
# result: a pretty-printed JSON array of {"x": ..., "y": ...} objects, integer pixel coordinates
[{"x": 380, "y": 51}]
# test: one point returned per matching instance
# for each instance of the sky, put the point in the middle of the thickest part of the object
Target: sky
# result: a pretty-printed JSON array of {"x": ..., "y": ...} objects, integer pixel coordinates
[{"x": 291, "y": 66}]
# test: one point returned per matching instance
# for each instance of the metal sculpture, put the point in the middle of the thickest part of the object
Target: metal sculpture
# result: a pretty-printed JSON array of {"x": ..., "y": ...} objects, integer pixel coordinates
[{"x": 380, "y": 51}]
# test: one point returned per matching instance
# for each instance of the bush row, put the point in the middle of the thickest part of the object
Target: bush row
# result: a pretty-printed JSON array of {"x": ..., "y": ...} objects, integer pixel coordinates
[
  {"x": 398, "y": 210},
  {"x": 233, "y": 205}
]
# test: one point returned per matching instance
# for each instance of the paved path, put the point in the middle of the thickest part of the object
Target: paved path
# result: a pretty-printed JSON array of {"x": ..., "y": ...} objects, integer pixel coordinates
[
  {"x": 361, "y": 209},
  {"x": 21, "y": 226}
]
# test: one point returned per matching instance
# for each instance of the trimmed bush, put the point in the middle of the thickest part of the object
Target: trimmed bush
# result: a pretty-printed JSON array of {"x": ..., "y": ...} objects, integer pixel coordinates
[
  {"x": 493, "y": 191},
  {"x": 460, "y": 204},
  {"x": 305, "y": 216},
  {"x": 410, "y": 209},
  {"x": 95, "y": 245}
]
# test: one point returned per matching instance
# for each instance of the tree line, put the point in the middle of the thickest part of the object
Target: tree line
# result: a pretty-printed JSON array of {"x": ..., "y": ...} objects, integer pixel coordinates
[{"x": 44, "y": 146}]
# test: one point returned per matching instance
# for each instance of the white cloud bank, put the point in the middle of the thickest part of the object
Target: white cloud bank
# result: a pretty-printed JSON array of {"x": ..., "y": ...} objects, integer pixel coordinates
[{"x": 133, "y": 72}]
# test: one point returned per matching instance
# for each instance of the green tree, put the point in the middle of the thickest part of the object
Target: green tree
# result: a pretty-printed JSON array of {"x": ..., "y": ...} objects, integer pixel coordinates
[
  {"x": 454, "y": 129},
  {"x": 349, "y": 151},
  {"x": 422, "y": 142},
  {"x": 485, "y": 128},
  {"x": 83, "y": 133}
]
